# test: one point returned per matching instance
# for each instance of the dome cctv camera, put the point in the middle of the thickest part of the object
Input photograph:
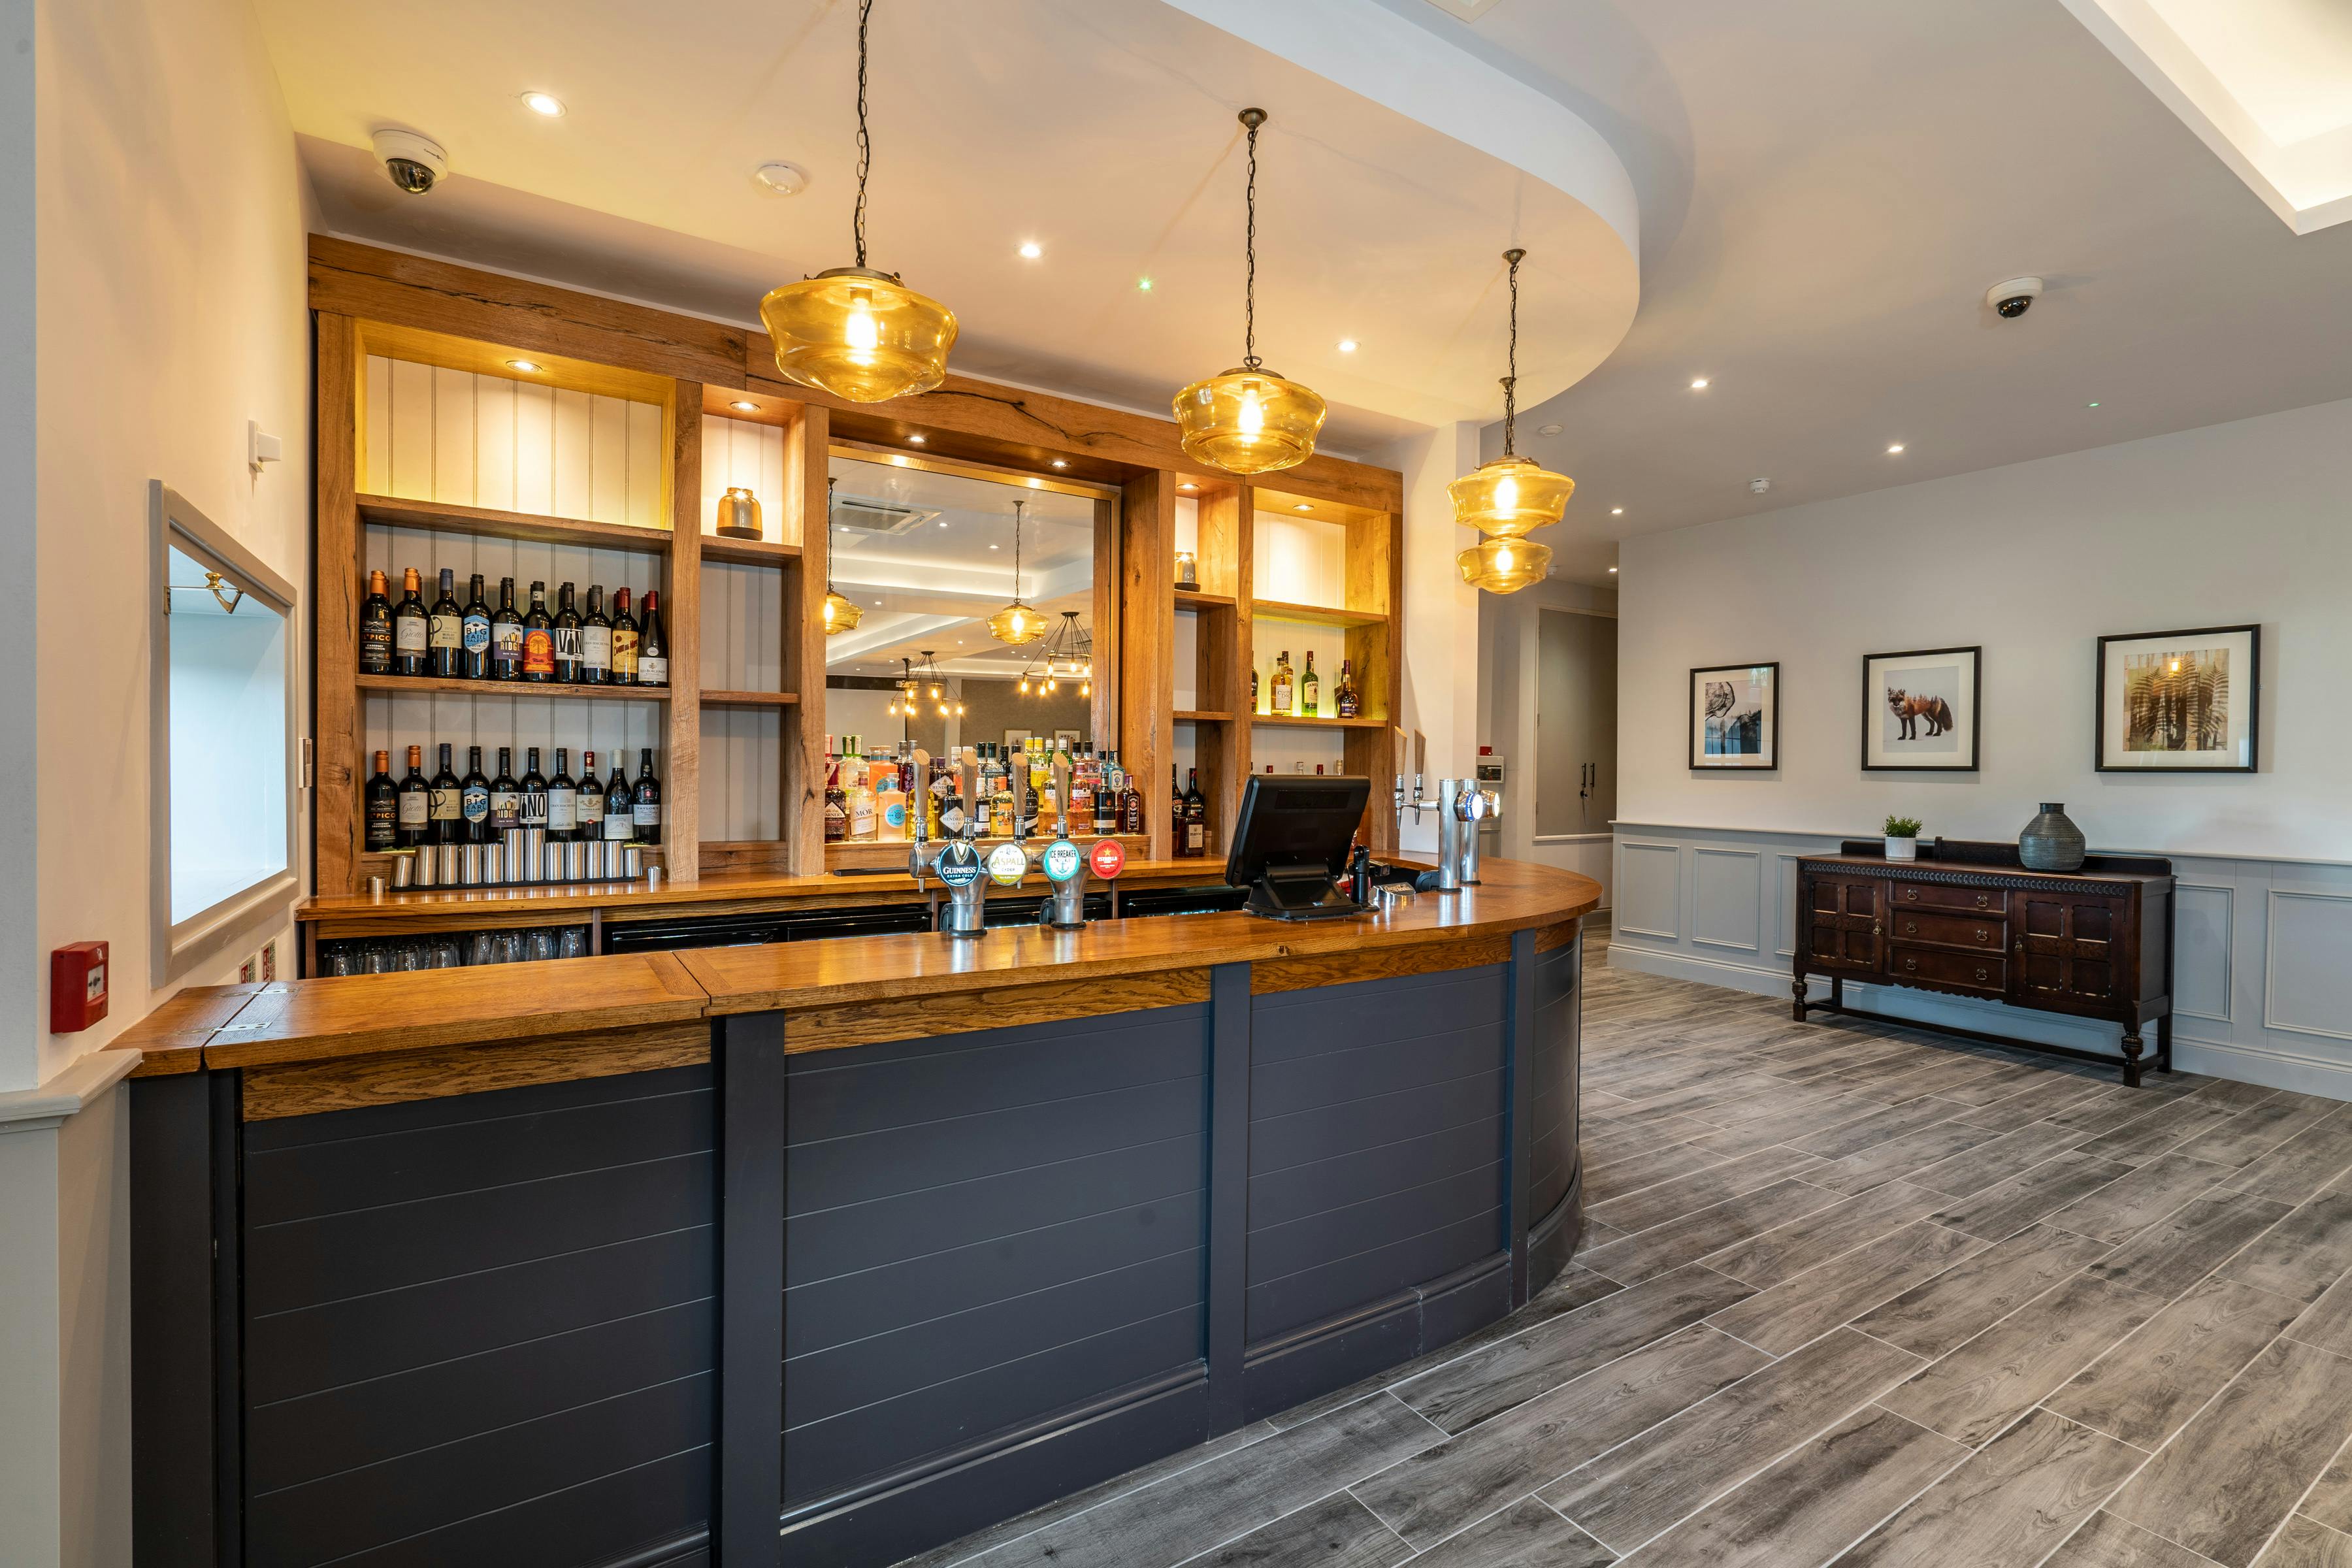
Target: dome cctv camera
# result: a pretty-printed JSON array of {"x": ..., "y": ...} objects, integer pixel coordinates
[
  {"x": 412, "y": 162},
  {"x": 2014, "y": 298}
]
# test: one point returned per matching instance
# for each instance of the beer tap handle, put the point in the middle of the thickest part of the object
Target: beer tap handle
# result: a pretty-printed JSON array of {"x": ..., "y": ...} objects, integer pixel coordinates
[
  {"x": 916, "y": 814},
  {"x": 972, "y": 807}
]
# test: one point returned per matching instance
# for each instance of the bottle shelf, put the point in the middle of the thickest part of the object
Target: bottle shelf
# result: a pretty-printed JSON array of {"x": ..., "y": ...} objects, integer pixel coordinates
[
  {"x": 748, "y": 551},
  {"x": 1317, "y": 721},
  {"x": 485, "y": 522},
  {"x": 1316, "y": 615},
  {"x": 442, "y": 686},
  {"x": 750, "y": 699},
  {"x": 1202, "y": 716},
  {"x": 1193, "y": 599}
]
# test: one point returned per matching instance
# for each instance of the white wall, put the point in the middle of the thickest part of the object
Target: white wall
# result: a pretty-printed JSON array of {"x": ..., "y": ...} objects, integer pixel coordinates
[
  {"x": 1440, "y": 696},
  {"x": 162, "y": 228},
  {"x": 1510, "y": 658},
  {"x": 2215, "y": 527}
]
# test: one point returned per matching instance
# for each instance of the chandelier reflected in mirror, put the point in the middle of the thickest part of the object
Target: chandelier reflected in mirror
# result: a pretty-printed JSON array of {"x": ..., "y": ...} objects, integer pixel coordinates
[
  {"x": 922, "y": 684},
  {"x": 1068, "y": 654}
]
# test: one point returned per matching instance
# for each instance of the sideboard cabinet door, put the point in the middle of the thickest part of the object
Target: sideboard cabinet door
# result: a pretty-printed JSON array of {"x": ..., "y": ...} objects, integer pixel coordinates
[
  {"x": 1847, "y": 923},
  {"x": 2065, "y": 946}
]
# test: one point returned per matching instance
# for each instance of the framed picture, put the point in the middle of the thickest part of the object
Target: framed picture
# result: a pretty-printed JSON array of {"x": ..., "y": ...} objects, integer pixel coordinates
[
  {"x": 1919, "y": 710},
  {"x": 1014, "y": 740},
  {"x": 2182, "y": 702},
  {"x": 1735, "y": 717}
]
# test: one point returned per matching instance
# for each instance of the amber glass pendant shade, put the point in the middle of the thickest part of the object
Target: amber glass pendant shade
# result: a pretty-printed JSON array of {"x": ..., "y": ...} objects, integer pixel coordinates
[
  {"x": 841, "y": 613},
  {"x": 1249, "y": 421},
  {"x": 1503, "y": 566},
  {"x": 859, "y": 334},
  {"x": 1510, "y": 497},
  {"x": 1016, "y": 624}
]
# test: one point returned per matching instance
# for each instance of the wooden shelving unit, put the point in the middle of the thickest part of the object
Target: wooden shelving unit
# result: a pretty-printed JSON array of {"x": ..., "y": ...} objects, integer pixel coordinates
[
  {"x": 1317, "y": 722},
  {"x": 441, "y": 321}
]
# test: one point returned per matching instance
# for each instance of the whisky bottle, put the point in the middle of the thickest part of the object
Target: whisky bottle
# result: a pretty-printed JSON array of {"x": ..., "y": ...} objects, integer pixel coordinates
[
  {"x": 1310, "y": 687},
  {"x": 382, "y": 799},
  {"x": 375, "y": 629},
  {"x": 1281, "y": 683},
  {"x": 1348, "y": 701}
]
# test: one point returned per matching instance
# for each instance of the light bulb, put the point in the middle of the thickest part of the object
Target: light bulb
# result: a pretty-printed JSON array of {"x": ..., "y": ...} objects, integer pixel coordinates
[
  {"x": 1506, "y": 496},
  {"x": 1253, "y": 415},
  {"x": 860, "y": 331},
  {"x": 1503, "y": 558}
]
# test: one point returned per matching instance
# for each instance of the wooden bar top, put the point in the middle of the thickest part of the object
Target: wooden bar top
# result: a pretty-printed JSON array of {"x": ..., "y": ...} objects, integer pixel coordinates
[{"x": 359, "y": 1015}]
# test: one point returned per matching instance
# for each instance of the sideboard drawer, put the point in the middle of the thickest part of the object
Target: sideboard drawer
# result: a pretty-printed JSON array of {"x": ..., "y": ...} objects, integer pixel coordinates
[
  {"x": 1988, "y": 934},
  {"x": 1940, "y": 895},
  {"x": 1939, "y": 966}
]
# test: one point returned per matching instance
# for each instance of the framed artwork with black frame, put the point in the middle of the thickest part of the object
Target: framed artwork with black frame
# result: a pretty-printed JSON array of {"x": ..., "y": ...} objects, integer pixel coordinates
[
  {"x": 1921, "y": 711},
  {"x": 1735, "y": 717},
  {"x": 2180, "y": 702}
]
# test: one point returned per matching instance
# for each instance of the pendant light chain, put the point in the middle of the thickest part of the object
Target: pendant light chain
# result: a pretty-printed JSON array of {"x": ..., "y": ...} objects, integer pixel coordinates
[
  {"x": 865, "y": 143},
  {"x": 829, "y": 483},
  {"x": 1253, "y": 119},
  {"x": 1017, "y": 504},
  {"x": 1511, "y": 379}
]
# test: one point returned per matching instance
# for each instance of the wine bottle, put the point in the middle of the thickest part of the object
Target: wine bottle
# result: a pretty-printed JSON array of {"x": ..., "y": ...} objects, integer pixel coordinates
[
  {"x": 620, "y": 805},
  {"x": 563, "y": 796},
  {"x": 1253, "y": 707},
  {"x": 1310, "y": 687},
  {"x": 596, "y": 641},
  {"x": 506, "y": 796},
  {"x": 1130, "y": 806},
  {"x": 474, "y": 793},
  {"x": 567, "y": 639},
  {"x": 1106, "y": 821},
  {"x": 652, "y": 647},
  {"x": 375, "y": 628},
  {"x": 416, "y": 808},
  {"x": 409, "y": 627},
  {"x": 534, "y": 791},
  {"x": 506, "y": 636},
  {"x": 473, "y": 635},
  {"x": 538, "y": 638},
  {"x": 646, "y": 806},
  {"x": 445, "y": 634},
  {"x": 624, "y": 643},
  {"x": 591, "y": 800},
  {"x": 448, "y": 823},
  {"x": 382, "y": 794},
  {"x": 1196, "y": 816},
  {"x": 1179, "y": 841}
]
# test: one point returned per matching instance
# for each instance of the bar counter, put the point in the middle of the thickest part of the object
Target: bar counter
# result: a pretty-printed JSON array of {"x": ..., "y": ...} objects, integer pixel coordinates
[{"x": 852, "y": 1244}]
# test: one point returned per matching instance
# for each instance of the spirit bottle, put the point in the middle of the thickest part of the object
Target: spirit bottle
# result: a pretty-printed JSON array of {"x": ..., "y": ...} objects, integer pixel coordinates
[
  {"x": 1281, "y": 683},
  {"x": 1310, "y": 687}
]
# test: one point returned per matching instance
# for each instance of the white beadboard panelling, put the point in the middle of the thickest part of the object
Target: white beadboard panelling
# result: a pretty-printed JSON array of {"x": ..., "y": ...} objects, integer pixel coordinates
[
  {"x": 409, "y": 456},
  {"x": 377, "y": 480},
  {"x": 1725, "y": 897},
  {"x": 1269, "y": 638},
  {"x": 1286, "y": 747},
  {"x": 1186, "y": 651},
  {"x": 453, "y": 436},
  {"x": 740, "y": 452},
  {"x": 575, "y": 430},
  {"x": 742, "y": 628},
  {"x": 1299, "y": 560},
  {"x": 1188, "y": 523},
  {"x": 644, "y": 462},
  {"x": 742, "y": 748},
  {"x": 494, "y": 444},
  {"x": 534, "y": 448}
]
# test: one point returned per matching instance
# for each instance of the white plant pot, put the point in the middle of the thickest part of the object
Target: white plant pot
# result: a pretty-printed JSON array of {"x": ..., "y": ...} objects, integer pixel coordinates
[{"x": 1903, "y": 849}]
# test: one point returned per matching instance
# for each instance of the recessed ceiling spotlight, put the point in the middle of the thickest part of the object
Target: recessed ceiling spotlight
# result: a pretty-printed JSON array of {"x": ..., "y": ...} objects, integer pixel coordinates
[
  {"x": 1188, "y": 485},
  {"x": 1616, "y": 512},
  {"x": 1895, "y": 450},
  {"x": 741, "y": 405},
  {"x": 1031, "y": 250},
  {"x": 1144, "y": 285},
  {"x": 1612, "y": 571},
  {"x": 914, "y": 440},
  {"x": 1302, "y": 506},
  {"x": 992, "y": 547},
  {"x": 1547, "y": 429},
  {"x": 528, "y": 367},
  {"x": 1346, "y": 345},
  {"x": 780, "y": 179},
  {"x": 545, "y": 103},
  {"x": 1061, "y": 463},
  {"x": 2090, "y": 406},
  {"x": 1698, "y": 383}
]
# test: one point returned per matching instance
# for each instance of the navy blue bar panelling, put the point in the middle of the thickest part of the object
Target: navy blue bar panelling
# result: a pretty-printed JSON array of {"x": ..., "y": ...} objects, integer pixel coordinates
[
  {"x": 1377, "y": 1160},
  {"x": 1552, "y": 1069},
  {"x": 983, "y": 1229},
  {"x": 480, "y": 1329}
]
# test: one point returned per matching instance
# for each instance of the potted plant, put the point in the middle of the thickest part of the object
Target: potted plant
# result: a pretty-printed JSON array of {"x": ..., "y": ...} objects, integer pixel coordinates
[{"x": 1902, "y": 838}]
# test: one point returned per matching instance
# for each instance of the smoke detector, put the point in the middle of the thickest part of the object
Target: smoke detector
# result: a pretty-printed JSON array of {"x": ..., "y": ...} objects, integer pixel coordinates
[
  {"x": 780, "y": 179},
  {"x": 1759, "y": 486}
]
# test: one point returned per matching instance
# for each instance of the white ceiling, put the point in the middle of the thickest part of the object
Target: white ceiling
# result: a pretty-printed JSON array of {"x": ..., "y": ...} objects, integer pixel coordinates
[
  {"x": 1103, "y": 130},
  {"x": 1827, "y": 189}
]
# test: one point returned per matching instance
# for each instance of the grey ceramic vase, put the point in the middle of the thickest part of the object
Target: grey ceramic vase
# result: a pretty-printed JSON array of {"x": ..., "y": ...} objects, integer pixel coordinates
[{"x": 2050, "y": 842}]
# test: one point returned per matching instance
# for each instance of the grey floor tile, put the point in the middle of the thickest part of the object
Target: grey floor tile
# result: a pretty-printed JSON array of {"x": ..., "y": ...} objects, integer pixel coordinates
[
  {"x": 1848, "y": 1478},
  {"x": 2329, "y": 1500},
  {"x": 2228, "y": 1480},
  {"x": 2108, "y": 1542},
  {"x": 1812, "y": 1303},
  {"x": 1790, "y": 1250},
  {"x": 1964, "y": 1300},
  {"x": 2121, "y": 1210},
  {"x": 2119, "y": 1108},
  {"x": 2328, "y": 1323},
  {"x": 2303, "y": 1164},
  {"x": 2304, "y": 1254},
  {"x": 1970, "y": 1393},
  {"x": 2234, "y": 1095},
  {"x": 2189, "y": 1243},
  {"x": 2147, "y": 1387},
  {"x": 1436, "y": 1492},
  {"x": 1878, "y": 1126},
  {"x": 2015, "y": 1500},
  {"x": 1336, "y": 1532},
  {"x": 1645, "y": 1487},
  {"x": 1655, "y": 1205},
  {"x": 1988, "y": 1164},
  {"x": 1468, "y": 1389},
  {"x": 1606, "y": 1179},
  {"x": 2036, "y": 1102},
  {"x": 1525, "y": 1535},
  {"x": 1898, "y": 1157},
  {"x": 2007, "y": 1207},
  {"x": 2170, "y": 1124},
  {"x": 2250, "y": 1134},
  {"x": 1692, "y": 1236},
  {"x": 2306, "y": 1543}
]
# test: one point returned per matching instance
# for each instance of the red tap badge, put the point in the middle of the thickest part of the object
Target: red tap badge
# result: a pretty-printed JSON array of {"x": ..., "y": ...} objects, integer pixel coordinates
[{"x": 1107, "y": 859}]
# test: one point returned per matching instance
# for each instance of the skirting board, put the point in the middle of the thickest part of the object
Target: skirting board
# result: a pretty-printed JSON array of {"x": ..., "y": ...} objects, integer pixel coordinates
[{"x": 2215, "y": 1058}]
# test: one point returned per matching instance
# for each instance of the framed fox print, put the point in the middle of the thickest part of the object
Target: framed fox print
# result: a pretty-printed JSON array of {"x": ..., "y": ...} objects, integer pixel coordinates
[
  {"x": 2182, "y": 703},
  {"x": 1919, "y": 710},
  {"x": 1735, "y": 717}
]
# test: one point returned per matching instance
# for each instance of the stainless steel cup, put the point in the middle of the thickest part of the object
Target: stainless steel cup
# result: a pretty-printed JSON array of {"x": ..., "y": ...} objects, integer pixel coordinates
[
  {"x": 633, "y": 861},
  {"x": 469, "y": 865},
  {"x": 494, "y": 864},
  {"x": 534, "y": 855},
  {"x": 375, "y": 886},
  {"x": 425, "y": 864},
  {"x": 517, "y": 857},
  {"x": 444, "y": 863},
  {"x": 652, "y": 878},
  {"x": 596, "y": 859},
  {"x": 576, "y": 862},
  {"x": 550, "y": 862}
]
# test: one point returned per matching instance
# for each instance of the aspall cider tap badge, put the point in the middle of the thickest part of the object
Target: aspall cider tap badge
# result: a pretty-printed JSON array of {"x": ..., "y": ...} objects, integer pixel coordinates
[
  {"x": 958, "y": 865},
  {"x": 1007, "y": 863},
  {"x": 1108, "y": 858},
  {"x": 1062, "y": 860}
]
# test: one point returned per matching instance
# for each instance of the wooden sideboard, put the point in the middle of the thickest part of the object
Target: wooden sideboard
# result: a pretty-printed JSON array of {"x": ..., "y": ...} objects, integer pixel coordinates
[{"x": 1968, "y": 920}]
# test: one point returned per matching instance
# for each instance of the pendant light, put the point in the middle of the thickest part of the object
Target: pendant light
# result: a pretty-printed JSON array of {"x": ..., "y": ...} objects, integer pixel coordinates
[
  {"x": 1511, "y": 496},
  {"x": 1068, "y": 655},
  {"x": 915, "y": 675},
  {"x": 854, "y": 331},
  {"x": 841, "y": 613},
  {"x": 1017, "y": 623},
  {"x": 1248, "y": 420}
]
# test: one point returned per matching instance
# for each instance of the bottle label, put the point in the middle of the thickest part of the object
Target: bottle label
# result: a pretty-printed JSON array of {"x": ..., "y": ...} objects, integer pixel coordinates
[
  {"x": 375, "y": 646},
  {"x": 567, "y": 645},
  {"x": 416, "y": 808},
  {"x": 538, "y": 652},
  {"x": 1196, "y": 836},
  {"x": 647, "y": 814},
  {"x": 474, "y": 806},
  {"x": 591, "y": 808},
  {"x": 506, "y": 646},
  {"x": 836, "y": 821},
  {"x": 597, "y": 646},
  {"x": 445, "y": 804},
  {"x": 475, "y": 636},
  {"x": 534, "y": 808},
  {"x": 506, "y": 809},
  {"x": 952, "y": 818},
  {"x": 653, "y": 670},
  {"x": 894, "y": 817},
  {"x": 563, "y": 810},
  {"x": 444, "y": 631},
  {"x": 625, "y": 652},
  {"x": 618, "y": 824},
  {"x": 408, "y": 634}
]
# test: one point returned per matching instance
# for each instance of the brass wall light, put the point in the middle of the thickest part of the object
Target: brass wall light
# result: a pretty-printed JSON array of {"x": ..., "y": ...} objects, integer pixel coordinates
[
  {"x": 854, "y": 332},
  {"x": 1511, "y": 496},
  {"x": 1248, "y": 420}
]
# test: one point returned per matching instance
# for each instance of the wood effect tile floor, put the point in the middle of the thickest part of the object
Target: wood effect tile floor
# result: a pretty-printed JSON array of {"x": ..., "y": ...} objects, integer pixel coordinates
[{"x": 1849, "y": 1295}]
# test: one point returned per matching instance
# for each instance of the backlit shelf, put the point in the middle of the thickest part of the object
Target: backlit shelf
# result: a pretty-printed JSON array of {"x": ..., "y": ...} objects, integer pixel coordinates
[
  {"x": 444, "y": 686},
  {"x": 1315, "y": 614}
]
